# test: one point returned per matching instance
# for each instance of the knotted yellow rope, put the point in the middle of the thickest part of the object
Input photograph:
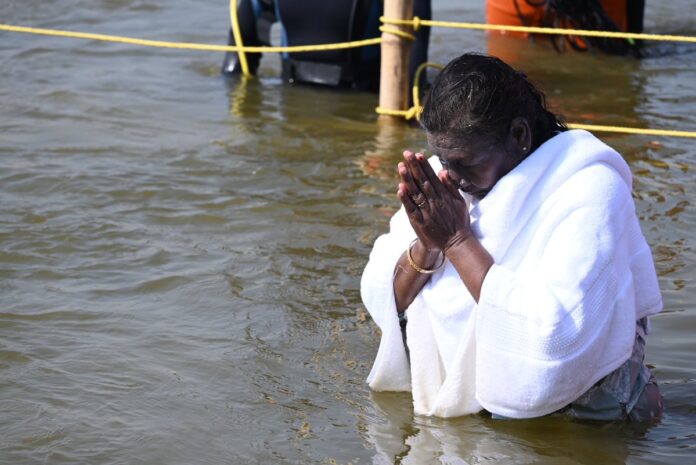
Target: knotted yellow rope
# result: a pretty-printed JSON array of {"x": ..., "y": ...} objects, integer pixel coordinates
[{"x": 417, "y": 22}]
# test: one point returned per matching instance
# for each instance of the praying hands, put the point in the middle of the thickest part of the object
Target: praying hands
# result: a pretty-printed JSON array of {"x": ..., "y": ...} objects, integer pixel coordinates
[
  {"x": 437, "y": 212},
  {"x": 440, "y": 218}
]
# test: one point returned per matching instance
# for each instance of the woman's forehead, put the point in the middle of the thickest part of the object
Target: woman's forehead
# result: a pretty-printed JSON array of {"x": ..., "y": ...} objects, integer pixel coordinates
[
  {"x": 444, "y": 144},
  {"x": 449, "y": 148}
]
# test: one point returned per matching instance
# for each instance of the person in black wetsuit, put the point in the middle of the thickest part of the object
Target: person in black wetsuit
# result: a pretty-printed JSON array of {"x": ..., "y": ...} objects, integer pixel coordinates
[{"x": 309, "y": 22}]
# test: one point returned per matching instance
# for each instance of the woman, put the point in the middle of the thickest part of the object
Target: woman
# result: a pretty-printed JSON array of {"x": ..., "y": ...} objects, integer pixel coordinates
[{"x": 520, "y": 267}]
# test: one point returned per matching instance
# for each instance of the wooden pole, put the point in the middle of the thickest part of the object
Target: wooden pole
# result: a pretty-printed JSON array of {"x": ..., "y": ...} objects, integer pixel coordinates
[{"x": 396, "y": 51}]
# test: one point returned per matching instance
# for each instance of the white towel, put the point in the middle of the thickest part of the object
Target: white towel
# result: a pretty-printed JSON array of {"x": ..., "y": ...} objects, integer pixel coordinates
[{"x": 557, "y": 311}]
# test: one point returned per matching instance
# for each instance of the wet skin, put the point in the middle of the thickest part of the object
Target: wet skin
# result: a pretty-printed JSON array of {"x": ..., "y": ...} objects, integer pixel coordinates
[
  {"x": 439, "y": 214},
  {"x": 440, "y": 217},
  {"x": 474, "y": 168}
]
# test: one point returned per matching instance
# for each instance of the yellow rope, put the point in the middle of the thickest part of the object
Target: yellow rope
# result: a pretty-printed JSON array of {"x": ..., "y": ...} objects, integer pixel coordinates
[
  {"x": 624, "y": 130},
  {"x": 237, "y": 33},
  {"x": 407, "y": 114},
  {"x": 397, "y": 32},
  {"x": 417, "y": 22},
  {"x": 416, "y": 110},
  {"x": 416, "y": 85},
  {"x": 188, "y": 45}
]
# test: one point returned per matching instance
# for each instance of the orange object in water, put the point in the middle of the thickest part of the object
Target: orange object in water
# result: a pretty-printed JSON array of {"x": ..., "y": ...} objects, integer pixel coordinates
[
  {"x": 617, "y": 10},
  {"x": 522, "y": 13},
  {"x": 505, "y": 12}
]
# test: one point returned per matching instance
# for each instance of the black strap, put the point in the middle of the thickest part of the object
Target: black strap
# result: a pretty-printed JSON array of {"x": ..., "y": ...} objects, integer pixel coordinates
[{"x": 402, "y": 323}]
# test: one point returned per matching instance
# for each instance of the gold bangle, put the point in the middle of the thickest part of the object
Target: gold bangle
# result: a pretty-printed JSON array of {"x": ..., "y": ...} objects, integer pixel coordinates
[{"x": 418, "y": 268}]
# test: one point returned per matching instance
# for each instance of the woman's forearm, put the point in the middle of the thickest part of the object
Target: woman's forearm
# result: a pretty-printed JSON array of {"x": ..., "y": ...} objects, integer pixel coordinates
[
  {"x": 407, "y": 280},
  {"x": 472, "y": 261}
]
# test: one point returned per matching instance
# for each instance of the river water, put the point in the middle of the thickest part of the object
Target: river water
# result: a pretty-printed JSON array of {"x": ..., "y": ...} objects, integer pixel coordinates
[{"x": 180, "y": 257}]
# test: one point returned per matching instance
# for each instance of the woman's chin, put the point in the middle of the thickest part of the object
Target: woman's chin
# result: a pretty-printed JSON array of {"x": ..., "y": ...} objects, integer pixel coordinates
[{"x": 475, "y": 194}]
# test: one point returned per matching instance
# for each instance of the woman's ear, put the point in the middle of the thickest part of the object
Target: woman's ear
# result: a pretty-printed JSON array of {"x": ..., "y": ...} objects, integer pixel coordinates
[{"x": 520, "y": 136}]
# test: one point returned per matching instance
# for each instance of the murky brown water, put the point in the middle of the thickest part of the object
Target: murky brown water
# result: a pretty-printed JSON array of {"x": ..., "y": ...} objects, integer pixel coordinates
[{"x": 180, "y": 259}]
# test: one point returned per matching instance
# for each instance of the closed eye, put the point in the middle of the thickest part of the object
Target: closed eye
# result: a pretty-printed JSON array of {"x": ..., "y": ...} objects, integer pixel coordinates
[{"x": 468, "y": 166}]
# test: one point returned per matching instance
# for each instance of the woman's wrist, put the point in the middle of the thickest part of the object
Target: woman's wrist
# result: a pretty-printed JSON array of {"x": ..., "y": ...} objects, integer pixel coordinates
[
  {"x": 424, "y": 256},
  {"x": 457, "y": 240},
  {"x": 426, "y": 269},
  {"x": 412, "y": 271},
  {"x": 471, "y": 260}
]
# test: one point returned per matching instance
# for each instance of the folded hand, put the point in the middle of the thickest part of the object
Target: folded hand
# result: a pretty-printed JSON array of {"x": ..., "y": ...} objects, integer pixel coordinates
[{"x": 435, "y": 208}]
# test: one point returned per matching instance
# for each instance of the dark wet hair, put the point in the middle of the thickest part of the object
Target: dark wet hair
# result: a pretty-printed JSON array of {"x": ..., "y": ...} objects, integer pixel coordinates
[{"x": 478, "y": 96}]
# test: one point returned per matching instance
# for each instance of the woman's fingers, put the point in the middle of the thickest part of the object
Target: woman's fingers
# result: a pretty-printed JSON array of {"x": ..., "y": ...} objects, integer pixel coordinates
[
  {"x": 415, "y": 168},
  {"x": 422, "y": 170},
  {"x": 448, "y": 183},
  {"x": 409, "y": 204},
  {"x": 411, "y": 185},
  {"x": 430, "y": 176},
  {"x": 424, "y": 176}
]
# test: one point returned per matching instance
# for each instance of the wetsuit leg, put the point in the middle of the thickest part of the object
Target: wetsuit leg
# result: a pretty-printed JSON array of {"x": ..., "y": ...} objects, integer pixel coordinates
[
  {"x": 332, "y": 22},
  {"x": 317, "y": 22},
  {"x": 366, "y": 61},
  {"x": 255, "y": 20},
  {"x": 419, "y": 52},
  {"x": 635, "y": 10}
]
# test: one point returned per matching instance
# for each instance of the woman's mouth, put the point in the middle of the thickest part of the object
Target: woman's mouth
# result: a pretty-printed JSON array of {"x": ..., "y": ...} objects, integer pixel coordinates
[
  {"x": 474, "y": 191},
  {"x": 467, "y": 188}
]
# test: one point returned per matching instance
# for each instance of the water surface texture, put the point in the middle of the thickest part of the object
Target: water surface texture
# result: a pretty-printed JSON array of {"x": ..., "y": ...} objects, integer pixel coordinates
[{"x": 180, "y": 257}]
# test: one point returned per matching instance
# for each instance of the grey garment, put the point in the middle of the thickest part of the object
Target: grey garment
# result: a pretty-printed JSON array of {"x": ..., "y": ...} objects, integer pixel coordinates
[{"x": 628, "y": 393}]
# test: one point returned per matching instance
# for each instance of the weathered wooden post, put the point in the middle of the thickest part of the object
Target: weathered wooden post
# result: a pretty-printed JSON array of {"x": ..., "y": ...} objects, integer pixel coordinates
[{"x": 394, "y": 79}]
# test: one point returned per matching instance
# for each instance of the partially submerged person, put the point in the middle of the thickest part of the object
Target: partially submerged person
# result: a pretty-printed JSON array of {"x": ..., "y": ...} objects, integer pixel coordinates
[
  {"x": 315, "y": 22},
  {"x": 519, "y": 270}
]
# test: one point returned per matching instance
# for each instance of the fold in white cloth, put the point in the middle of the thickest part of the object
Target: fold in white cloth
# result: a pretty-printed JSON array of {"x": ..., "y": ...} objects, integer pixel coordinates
[{"x": 557, "y": 310}]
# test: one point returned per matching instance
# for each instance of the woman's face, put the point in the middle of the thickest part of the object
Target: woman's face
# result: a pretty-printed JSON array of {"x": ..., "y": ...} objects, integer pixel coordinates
[{"x": 475, "y": 166}]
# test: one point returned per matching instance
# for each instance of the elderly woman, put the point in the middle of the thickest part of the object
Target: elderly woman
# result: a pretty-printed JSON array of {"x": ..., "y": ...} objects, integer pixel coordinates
[{"x": 519, "y": 270}]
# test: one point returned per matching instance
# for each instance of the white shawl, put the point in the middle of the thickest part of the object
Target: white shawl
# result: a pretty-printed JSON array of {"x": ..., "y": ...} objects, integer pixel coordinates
[{"x": 557, "y": 310}]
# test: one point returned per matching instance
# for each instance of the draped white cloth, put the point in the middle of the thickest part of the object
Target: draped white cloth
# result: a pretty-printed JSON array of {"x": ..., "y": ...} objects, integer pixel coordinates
[{"x": 557, "y": 311}]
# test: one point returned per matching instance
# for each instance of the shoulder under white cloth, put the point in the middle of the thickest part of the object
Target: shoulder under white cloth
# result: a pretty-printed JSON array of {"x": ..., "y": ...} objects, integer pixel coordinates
[{"x": 557, "y": 311}]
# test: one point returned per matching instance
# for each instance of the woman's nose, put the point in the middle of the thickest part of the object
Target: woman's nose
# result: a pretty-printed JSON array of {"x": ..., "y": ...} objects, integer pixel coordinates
[{"x": 462, "y": 181}]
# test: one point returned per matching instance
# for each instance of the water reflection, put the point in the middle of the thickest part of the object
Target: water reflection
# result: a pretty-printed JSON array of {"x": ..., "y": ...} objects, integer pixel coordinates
[
  {"x": 381, "y": 158},
  {"x": 399, "y": 438},
  {"x": 243, "y": 103},
  {"x": 180, "y": 259}
]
